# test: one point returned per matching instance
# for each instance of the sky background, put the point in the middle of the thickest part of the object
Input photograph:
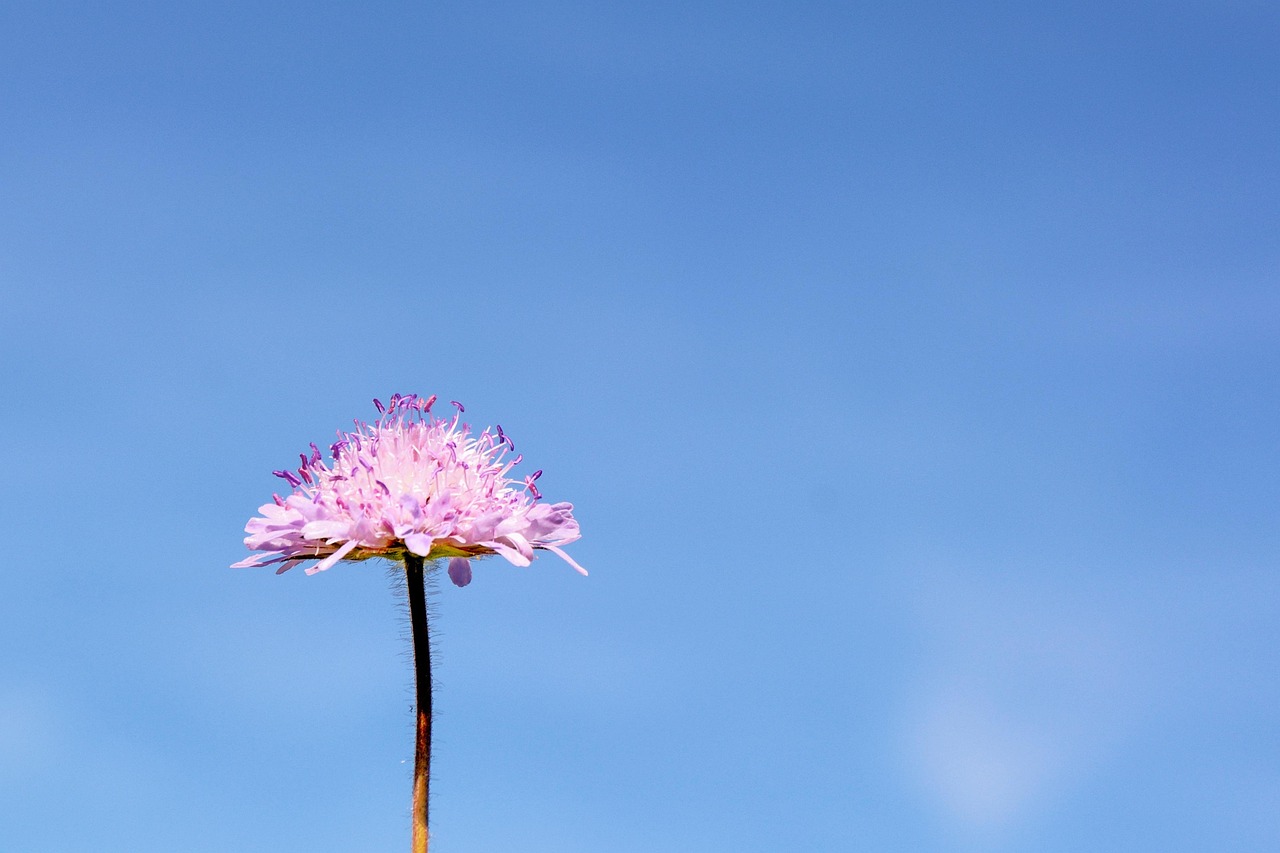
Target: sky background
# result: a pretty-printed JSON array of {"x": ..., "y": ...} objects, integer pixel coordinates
[{"x": 912, "y": 368}]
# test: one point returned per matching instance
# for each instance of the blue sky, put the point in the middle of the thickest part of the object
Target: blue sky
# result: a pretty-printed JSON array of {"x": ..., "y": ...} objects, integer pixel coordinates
[{"x": 912, "y": 368}]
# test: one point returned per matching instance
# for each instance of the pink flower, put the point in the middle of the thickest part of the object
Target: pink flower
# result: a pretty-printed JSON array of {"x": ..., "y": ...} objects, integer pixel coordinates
[{"x": 410, "y": 483}]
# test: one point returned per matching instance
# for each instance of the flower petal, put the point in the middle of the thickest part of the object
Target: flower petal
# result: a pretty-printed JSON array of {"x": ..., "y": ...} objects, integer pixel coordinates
[
  {"x": 326, "y": 529},
  {"x": 552, "y": 522},
  {"x": 460, "y": 571},
  {"x": 418, "y": 543},
  {"x": 258, "y": 560},
  {"x": 327, "y": 562},
  {"x": 562, "y": 555},
  {"x": 511, "y": 555}
]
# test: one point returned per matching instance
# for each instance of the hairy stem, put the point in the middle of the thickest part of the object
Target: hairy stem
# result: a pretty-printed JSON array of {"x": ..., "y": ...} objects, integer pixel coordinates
[{"x": 422, "y": 676}]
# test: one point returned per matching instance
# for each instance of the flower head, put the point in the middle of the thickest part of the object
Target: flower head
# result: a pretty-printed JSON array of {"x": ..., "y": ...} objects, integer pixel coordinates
[{"x": 410, "y": 483}]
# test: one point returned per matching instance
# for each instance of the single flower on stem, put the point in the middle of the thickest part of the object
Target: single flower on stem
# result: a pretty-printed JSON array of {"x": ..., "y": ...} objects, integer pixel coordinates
[{"x": 413, "y": 488}]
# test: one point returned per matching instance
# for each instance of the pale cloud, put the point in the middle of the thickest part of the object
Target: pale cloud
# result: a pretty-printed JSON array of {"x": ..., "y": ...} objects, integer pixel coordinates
[
  {"x": 1022, "y": 689},
  {"x": 983, "y": 765},
  {"x": 28, "y": 733}
]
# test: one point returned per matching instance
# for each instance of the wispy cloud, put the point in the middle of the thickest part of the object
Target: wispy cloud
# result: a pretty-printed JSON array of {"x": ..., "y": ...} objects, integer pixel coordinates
[
  {"x": 28, "y": 733},
  {"x": 1022, "y": 688}
]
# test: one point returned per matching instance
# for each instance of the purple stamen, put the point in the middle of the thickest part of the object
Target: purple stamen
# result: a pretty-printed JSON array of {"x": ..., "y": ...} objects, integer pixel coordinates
[
  {"x": 377, "y": 404},
  {"x": 426, "y": 406},
  {"x": 289, "y": 476},
  {"x": 461, "y": 408}
]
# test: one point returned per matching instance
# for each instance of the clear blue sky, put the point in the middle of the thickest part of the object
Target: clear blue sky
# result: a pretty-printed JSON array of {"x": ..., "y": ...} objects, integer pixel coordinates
[{"x": 913, "y": 368}]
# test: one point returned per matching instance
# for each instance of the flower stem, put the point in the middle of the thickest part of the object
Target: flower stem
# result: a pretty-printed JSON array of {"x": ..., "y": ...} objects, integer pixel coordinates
[{"x": 422, "y": 677}]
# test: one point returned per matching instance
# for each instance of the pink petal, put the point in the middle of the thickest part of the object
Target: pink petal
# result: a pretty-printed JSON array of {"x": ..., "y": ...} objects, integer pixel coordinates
[
  {"x": 460, "y": 571},
  {"x": 511, "y": 555},
  {"x": 418, "y": 543},
  {"x": 327, "y": 562},
  {"x": 565, "y": 557},
  {"x": 325, "y": 529}
]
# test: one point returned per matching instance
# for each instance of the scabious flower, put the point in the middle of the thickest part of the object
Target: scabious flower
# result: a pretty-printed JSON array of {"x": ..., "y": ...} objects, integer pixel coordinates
[{"x": 410, "y": 483}]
